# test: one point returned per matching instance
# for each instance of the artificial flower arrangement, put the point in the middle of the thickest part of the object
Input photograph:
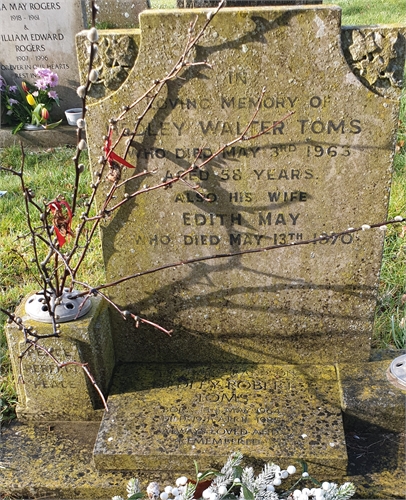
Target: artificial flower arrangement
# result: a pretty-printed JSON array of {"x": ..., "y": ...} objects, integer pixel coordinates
[
  {"x": 30, "y": 104},
  {"x": 234, "y": 482}
]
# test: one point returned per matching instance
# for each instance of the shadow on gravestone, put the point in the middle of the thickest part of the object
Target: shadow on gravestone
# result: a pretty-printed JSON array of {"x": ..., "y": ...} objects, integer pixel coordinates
[{"x": 324, "y": 169}]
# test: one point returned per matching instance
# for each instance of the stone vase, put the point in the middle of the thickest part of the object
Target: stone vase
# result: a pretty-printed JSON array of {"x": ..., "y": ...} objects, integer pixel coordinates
[{"x": 52, "y": 393}]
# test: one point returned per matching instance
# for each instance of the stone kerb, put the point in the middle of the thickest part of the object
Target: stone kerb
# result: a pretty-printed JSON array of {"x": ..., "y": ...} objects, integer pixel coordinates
[{"x": 326, "y": 168}]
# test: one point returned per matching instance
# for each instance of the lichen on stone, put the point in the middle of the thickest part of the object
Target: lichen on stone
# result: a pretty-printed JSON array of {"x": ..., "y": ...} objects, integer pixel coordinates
[{"x": 376, "y": 57}]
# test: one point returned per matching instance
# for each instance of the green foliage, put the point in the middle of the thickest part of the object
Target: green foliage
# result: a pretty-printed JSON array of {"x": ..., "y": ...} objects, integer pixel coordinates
[
  {"x": 49, "y": 174},
  {"x": 30, "y": 103}
]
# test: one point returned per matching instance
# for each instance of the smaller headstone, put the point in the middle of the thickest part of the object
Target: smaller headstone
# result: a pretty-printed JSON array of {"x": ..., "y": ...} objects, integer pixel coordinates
[
  {"x": 42, "y": 35},
  {"x": 66, "y": 393}
]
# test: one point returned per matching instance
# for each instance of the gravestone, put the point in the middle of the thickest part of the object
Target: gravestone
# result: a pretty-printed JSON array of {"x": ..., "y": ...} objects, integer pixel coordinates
[
  {"x": 119, "y": 13},
  {"x": 243, "y": 3},
  {"x": 42, "y": 35},
  {"x": 115, "y": 58},
  {"x": 236, "y": 374}
]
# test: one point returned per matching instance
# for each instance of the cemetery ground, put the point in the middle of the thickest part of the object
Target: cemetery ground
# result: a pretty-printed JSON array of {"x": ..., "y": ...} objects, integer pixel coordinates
[{"x": 46, "y": 169}]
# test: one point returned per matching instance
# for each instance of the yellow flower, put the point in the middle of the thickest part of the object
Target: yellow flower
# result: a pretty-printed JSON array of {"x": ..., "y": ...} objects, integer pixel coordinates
[{"x": 30, "y": 100}]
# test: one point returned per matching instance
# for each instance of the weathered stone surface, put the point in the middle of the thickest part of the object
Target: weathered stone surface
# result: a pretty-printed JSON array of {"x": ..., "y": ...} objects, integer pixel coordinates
[
  {"x": 119, "y": 13},
  {"x": 49, "y": 393},
  {"x": 326, "y": 168},
  {"x": 117, "y": 52},
  {"x": 42, "y": 34},
  {"x": 242, "y": 3},
  {"x": 368, "y": 397},
  {"x": 165, "y": 415},
  {"x": 60, "y": 136}
]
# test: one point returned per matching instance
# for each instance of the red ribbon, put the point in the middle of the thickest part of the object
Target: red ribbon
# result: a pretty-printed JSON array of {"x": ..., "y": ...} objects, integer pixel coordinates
[
  {"x": 62, "y": 224},
  {"x": 111, "y": 155}
]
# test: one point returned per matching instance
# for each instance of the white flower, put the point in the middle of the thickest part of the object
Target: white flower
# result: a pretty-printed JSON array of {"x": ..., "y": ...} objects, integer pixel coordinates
[
  {"x": 222, "y": 490},
  {"x": 207, "y": 492},
  {"x": 81, "y": 91},
  {"x": 92, "y": 35},
  {"x": 93, "y": 75},
  {"x": 82, "y": 146},
  {"x": 153, "y": 490}
]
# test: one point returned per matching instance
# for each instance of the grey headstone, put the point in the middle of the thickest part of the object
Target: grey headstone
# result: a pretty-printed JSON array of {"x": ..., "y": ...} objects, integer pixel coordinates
[{"x": 42, "y": 34}]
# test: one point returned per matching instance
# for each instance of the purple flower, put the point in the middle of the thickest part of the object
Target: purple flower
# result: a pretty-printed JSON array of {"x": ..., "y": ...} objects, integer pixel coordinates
[
  {"x": 53, "y": 80},
  {"x": 12, "y": 101},
  {"x": 42, "y": 72},
  {"x": 53, "y": 95},
  {"x": 41, "y": 84},
  {"x": 13, "y": 88},
  {"x": 2, "y": 83}
]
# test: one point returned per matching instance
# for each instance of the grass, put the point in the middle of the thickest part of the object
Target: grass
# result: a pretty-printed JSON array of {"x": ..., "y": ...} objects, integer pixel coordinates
[
  {"x": 47, "y": 169},
  {"x": 44, "y": 170}
]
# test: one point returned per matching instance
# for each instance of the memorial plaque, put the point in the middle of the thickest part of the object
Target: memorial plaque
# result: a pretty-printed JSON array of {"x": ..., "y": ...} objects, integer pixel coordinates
[
  {"x": 324, "y": 169},
  {"x": 176, "y": 415},
  {"x": 42, "y": 35}
]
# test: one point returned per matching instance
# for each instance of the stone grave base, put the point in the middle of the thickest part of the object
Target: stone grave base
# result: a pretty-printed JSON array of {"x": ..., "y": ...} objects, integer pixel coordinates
[
  {"x": 60, "y": 459},
  {"x": 59, "y": 136}
]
